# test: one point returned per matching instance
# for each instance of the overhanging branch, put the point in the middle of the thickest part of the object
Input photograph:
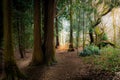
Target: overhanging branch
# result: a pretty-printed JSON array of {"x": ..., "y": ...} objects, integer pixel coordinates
[{"x": 99, "y": 19}]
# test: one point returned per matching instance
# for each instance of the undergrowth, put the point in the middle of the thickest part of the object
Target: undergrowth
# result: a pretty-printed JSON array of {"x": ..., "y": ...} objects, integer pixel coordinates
[
  {"x": 90, "y": 50},
  {"x": 108, "y": 60}
]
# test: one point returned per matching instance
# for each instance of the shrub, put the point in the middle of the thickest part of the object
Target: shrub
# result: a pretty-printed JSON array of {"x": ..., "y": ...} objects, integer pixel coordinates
[
  {"x": 109, "y": 60},
  {"x": 104, "y": 37},
  {"x": 85, "y": 52},
  {"x": 89, "y": 50}
]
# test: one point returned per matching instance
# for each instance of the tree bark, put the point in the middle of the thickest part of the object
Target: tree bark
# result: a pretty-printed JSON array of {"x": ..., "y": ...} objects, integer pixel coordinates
[
  {"x": 91, "y": 36},
  {"x": 1, "y": 24},
  {"x": 37, "y": 52},
  {"x": 22, "y": 36},
  {"x": 20, "y": 44},
  {"x": 78, "y": 30},
  {"x": 83, "y": 31},
  {"x": 71, "y": 29},
  {"x": 11, "y": 70},
  {"x": 57, "y": 32},
  {"x": 1, "y": 38},
  {"x": 48, "y": 45}
]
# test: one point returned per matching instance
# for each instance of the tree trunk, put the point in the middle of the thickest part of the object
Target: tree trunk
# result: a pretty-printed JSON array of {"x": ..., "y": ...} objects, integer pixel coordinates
[
  {"x": 71, "y": 29},
  {"x": 91, "y": 36},
  {"x": 114, "y": 27},
  {"x": 37, "y": 52},
  {"x": 20, "y": 37},
  {"x": 48, "y": 45},
  {"x": 1, "y": 38},
  {"x": 83, "y": 31},
  {"x": 78, "y": 31},
  {"x": 57, "y": 33},
  {"x": 96, "y": 39},
  {"x": 1, "y": 60},
  {"x": 22, "y": 30},
  {"x": 42, "y": 20},
  {"x": 1, "y": 25},
  {"x": 11, "y": 70}
]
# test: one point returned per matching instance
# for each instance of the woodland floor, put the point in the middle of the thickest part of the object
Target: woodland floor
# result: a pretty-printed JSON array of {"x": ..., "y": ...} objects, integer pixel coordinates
[{"x": 69, "y": 67}]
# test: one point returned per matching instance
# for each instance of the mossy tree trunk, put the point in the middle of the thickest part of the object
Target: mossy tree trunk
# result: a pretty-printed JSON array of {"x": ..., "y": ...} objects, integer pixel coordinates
[
  {"x": 37, "y": 52},
  {"x": 49, "y": 45},
  {"x": 71, "y": 29},
  {"x": 10, "y": 68}
]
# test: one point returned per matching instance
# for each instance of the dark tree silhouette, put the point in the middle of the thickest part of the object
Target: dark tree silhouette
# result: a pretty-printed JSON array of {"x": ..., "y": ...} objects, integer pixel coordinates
[{"x": 48, "y": 45}]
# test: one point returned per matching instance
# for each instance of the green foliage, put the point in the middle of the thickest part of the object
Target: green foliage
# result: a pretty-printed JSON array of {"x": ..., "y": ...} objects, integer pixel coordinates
[
  {"x": 102, "y": 44},
  {"x": 22, "y": 18},
  {"x": 85, "y": 52},
  {"x": 90, "y": 50},
  {"x": 104, "y": 37},
  {"x": 109, "y": 59},
  {"x": 104, "y": 40}
]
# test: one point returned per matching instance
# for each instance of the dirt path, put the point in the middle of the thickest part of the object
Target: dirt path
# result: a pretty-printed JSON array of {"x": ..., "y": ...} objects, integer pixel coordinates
[{"x": 69, "y": 67}]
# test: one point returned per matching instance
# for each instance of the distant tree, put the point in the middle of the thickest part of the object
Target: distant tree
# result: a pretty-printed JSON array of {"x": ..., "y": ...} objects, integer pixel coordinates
[
  {"x": 20, "y": 36},
  {"x": 83, "y": 30},
  {"x": 11, "y": 70},
  {"x": 21, "y": 29},
  {"x": 61, "y": 11},
  {"x": 21, "y": 21},
  {"x": 71, "y": 48},
  {"x": 57, "y": 30},
  {"x": 37, "y": 52},
  {"x": 78, "y": 30},
  {"x": 49, "y": 45},
  {"x": 19, "y": 26}
]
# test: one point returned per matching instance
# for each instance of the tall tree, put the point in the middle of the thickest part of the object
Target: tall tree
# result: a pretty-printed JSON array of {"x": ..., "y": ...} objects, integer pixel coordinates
[
  {"x": 83, "y": 29},
  {"x": 78, "y": 31},
  {"x": 20, "y": 37},
  {"x": 21, "y": 18},
  {"x": 1, "y": 24},
  {"x": 57, "y": 31},
  {"x": 11, "y": 70},
  {"x": 1, "y": 36},
  {"x": 114, "y": 26},
  {"x": 37, "y": 53},
  {"x": 71, "y": 29},
  {"x": 48, "y": 45}
]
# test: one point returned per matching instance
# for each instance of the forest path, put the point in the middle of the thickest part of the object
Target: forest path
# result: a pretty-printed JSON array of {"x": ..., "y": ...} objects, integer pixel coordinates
[{"x": 69, "y": 67}]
